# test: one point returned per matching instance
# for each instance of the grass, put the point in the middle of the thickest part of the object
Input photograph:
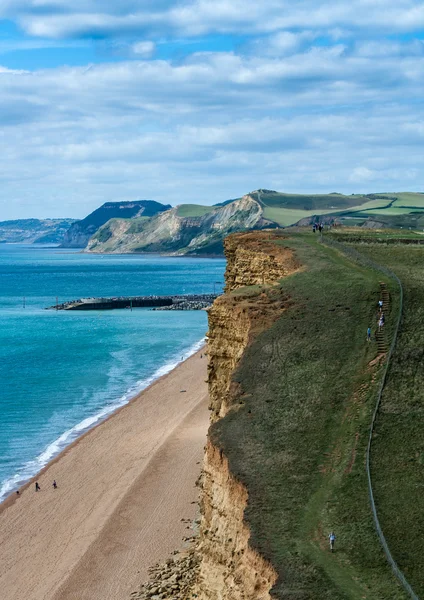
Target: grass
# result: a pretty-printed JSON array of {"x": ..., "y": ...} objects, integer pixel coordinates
[
  {"x": 193, "y": 210},
  {"x": 298, "y": 438},
  {"x": 393, "y": 210},
  {"x": 363, "y": 210},
  {"x": 410, "y": 199},
  {"x": 372, "y": 236},
  {"x": 288, "y": 216},
  {"x": 398, "y": 448}
]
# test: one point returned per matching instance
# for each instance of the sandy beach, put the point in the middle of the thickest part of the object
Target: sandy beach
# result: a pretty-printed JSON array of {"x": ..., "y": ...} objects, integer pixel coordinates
[{"x": 123, "y": 489}]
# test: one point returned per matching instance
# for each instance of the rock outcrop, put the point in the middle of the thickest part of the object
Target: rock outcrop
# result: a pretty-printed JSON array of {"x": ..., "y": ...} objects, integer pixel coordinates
[
  {"x": 256, "y": 259},
  {"x": 34, "y": 231},
  {"x": 226, "y": 566},
  {"x": 81, "y": 231},
  {"x": 173, "y": 233}
]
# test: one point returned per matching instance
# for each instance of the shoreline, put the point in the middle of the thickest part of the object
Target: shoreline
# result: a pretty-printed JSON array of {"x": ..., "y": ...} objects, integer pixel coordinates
[
  {"x": 124, "y": 485},
  {"x": 142, "y": 387}
]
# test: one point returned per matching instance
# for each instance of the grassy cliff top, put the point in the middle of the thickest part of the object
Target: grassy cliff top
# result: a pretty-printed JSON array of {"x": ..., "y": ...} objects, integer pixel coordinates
[{"x": 306, "y": 394}]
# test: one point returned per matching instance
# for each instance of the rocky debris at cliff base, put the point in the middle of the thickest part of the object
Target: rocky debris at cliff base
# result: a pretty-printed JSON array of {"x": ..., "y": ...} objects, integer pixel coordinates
[{"x": 173, "y": 580}]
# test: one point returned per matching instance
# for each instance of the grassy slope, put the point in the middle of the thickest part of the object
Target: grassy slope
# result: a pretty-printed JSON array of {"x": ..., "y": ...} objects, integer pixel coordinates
[
  {"x": 398, "y": 449},
  {"x": 287, "y": 209},
  {"x": 193, "y": 210},
  {"x": 298, "y": 440}
]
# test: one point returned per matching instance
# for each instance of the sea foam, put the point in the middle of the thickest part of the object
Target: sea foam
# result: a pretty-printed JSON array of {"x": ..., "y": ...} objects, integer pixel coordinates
[{"x": 32, "y": 467}]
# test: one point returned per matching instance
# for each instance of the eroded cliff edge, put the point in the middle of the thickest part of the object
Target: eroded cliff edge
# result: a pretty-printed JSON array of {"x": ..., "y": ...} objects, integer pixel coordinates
[{"x": 230, "y": 569}]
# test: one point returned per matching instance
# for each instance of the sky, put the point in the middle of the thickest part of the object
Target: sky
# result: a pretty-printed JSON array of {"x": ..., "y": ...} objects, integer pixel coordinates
[{"x": 201, "y": 101}]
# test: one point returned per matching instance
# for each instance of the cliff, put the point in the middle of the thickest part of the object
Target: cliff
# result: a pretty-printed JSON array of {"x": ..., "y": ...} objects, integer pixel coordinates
[
  {"x": 181, "y": 231},
  {"x": 293, "y": 385},
  {"x": 34, "y": 231},
  {"x": 256, "y": 260},
  {"x": 81, "y": 231},
  {"x": 230, "y": 568}
]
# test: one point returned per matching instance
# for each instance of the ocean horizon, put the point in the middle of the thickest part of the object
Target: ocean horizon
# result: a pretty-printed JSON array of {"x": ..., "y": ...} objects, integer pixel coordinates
[{"x": 63, "y": 373}]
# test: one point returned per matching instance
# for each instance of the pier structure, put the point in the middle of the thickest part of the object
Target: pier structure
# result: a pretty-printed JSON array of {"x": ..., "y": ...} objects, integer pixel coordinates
[{"x": 182, "y": 302}]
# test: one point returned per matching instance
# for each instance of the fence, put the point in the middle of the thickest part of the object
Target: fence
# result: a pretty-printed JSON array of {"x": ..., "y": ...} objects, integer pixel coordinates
[{"x": 367, "y": 262}]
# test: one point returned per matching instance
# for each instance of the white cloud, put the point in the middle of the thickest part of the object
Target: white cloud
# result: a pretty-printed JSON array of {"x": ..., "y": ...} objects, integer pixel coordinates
[
  {"x": 59, "y": 18},
  {"x": 211, "y": 127},
  {"x": 313, "y": 101},
  {"x": 362, "y": 174},
  {"x": 145, "y": 49}
]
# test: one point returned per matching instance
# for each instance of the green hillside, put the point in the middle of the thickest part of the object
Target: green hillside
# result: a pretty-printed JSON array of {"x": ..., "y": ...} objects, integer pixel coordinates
[
  {"x": 305, "y": 395},
  {"x": 193, "y": 210},
  {"x": 288, "y": 209},
  {"x": 398, "y": 448}
]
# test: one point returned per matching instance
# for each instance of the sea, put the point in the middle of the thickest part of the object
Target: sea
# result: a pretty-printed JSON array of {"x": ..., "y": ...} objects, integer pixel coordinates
[{"x": 61, "y": 372}]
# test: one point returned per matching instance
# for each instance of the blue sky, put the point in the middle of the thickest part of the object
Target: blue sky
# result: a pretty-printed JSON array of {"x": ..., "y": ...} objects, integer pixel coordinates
[{"x": 200, "y": 101}]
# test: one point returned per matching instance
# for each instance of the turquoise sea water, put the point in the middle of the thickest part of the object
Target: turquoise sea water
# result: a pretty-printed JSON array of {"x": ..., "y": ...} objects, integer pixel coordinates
[{"x": 62, "y": 372}]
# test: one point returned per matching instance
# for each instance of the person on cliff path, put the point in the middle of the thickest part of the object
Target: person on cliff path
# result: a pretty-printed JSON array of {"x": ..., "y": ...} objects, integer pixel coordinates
[
  {"x": 332, "y": 538},
  {"x": 369, "y": 334}
]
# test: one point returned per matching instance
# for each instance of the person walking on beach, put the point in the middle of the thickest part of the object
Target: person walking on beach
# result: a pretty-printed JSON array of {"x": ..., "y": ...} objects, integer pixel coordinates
[
  {"x": 54, "y": 484},
  {"x": 332, "y": 538},
  {"x": 369, "y": 334},
  {"x": 37, "y": 487}
]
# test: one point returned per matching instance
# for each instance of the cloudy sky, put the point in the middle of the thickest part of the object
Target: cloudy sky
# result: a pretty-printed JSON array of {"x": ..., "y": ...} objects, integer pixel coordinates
[{"x": 205, "y": 100}]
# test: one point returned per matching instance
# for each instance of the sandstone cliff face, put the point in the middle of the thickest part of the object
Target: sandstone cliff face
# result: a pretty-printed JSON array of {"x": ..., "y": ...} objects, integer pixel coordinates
[
  {"x": 230, "y": 569},
  {"x": 255, "y": 259}
]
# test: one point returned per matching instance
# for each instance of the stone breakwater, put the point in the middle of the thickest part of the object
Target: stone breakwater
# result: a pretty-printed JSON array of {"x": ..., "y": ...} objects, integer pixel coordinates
[
  {"x": 182, "y": 302},
  {"x": 187, "y": 305}
]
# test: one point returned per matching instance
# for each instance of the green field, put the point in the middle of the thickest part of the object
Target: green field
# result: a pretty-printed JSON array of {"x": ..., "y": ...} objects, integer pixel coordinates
[
  {"x": 307, "y": 390},
  {"x": 288, "y": 209},
  {"x": 193, "y": 210}
]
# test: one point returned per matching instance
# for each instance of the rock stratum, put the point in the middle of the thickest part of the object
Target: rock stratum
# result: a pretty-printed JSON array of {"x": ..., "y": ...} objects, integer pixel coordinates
[
  {"x": 172, "y": 232},
  {"x": 226, "y": 566},
  {"x": 80, "y": 232}
]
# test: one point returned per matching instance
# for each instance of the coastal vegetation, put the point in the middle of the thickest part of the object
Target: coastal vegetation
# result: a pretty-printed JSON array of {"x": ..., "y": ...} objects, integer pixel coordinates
[
  {"x": 398, "y": 446},
  {"x": 298, "y": 416},
  {"x": 149, "y": 226}
]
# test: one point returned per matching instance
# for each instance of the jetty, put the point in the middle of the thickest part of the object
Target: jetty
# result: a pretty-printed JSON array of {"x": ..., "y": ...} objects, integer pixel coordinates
[{"x": 183, "y": 302}]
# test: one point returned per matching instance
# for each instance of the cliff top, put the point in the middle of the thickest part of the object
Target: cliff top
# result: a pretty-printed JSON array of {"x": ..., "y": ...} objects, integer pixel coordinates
[{"x": 298, "y": 413}]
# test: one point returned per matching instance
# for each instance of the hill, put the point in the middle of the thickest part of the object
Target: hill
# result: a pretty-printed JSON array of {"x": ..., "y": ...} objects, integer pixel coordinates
[
  {"x": 147, "y": 226},
  {"x": 81, "y": 231},
  {"x": 34, "y": 231},
  {"x": 398, "y": 209},
  {"x": 294, "y": 386},
  {"x": 185, "y": 229}
]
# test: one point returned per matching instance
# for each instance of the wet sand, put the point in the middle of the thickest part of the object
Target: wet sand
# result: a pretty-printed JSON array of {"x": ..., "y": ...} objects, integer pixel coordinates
[{"x": 123, "y": 489}]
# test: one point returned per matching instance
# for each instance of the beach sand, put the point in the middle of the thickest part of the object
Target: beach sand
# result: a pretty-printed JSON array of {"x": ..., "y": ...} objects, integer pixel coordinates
[{"x": 123, "y": 489}]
